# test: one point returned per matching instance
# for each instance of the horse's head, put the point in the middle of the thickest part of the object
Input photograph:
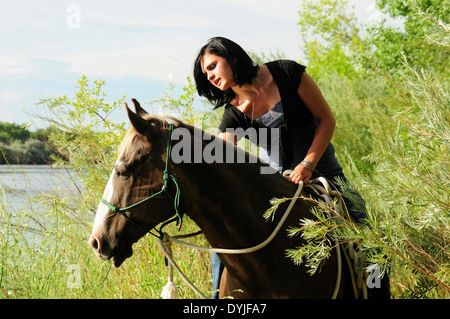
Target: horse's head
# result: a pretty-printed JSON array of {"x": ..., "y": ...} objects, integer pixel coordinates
[{"x": 137, "y": 175}]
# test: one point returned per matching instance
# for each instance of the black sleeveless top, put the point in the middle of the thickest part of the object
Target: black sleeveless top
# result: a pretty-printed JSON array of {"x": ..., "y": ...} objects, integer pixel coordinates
[{"x": 298, "y": 127}]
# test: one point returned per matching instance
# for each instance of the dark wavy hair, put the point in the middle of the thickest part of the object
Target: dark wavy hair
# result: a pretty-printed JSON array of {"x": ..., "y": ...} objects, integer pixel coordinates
[{"x": 243, "y": 67}]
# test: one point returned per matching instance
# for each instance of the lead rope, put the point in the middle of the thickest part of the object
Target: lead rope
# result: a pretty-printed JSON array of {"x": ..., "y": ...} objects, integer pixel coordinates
[
  {"x": 325, "y": 193},
  {"x": 166, "y": 240},
  {"x": 350, "y": 255},
  {"x": 169, "y": 290}
]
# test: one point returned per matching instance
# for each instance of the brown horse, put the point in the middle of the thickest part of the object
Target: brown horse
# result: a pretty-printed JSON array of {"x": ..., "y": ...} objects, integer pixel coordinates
[{"x": 226, "y": 200}]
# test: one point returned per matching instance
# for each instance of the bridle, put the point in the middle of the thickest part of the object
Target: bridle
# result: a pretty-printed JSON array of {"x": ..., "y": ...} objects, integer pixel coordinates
[{"x": 167, "y": 177}]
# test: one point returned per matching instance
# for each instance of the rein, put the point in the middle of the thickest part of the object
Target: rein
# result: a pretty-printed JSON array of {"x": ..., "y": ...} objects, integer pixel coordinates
[{"x": 165, "y": 189}]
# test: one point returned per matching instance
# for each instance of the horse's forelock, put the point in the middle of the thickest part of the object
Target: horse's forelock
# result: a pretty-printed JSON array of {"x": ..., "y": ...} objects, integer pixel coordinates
[{"x": 133, "y": 138}]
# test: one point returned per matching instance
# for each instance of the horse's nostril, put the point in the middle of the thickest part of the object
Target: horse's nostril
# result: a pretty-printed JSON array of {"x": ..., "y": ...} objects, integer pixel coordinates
[{"x": 94, "y": 243}]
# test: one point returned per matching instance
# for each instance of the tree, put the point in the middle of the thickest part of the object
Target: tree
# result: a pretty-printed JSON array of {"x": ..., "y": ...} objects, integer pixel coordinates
[
  {"x": 333, "y": 41},
  {"x": 12, "y": 132},
  {"x": 412, "y": 41},
  {"x": 336, "y": 42}
]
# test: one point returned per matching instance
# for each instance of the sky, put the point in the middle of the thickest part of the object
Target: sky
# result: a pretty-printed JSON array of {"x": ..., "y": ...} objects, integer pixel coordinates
[{"x": 136, "y": 46}]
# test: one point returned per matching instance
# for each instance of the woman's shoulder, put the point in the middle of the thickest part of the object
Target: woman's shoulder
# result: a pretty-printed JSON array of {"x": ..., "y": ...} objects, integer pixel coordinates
[
  {"x": 286, "y": 65},
  {"x": 286, "y": 72},
  {"x": 232, "y": 118}
]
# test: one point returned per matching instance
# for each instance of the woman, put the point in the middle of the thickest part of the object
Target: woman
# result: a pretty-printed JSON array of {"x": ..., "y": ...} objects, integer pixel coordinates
[{"x": 280, "y": 95}]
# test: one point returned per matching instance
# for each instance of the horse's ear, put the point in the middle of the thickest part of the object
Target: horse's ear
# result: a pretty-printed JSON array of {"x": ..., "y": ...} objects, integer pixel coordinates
[
  {"x": 139, "y": 110},
  {"x": 141, "y": 125}
]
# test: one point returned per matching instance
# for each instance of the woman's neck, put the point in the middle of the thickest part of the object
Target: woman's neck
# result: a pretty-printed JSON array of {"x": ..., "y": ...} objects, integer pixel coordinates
[
  {"x": 246, "y": 92},
  {"x": 253, "y": 99}
]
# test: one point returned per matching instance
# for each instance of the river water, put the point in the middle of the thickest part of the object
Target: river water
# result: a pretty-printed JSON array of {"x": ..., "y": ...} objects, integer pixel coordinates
[{"x": 20, "y": 184}]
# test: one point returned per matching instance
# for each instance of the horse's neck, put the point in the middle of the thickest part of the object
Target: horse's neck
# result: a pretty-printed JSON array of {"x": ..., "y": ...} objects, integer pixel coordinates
[{"x": 227, "y": 201}]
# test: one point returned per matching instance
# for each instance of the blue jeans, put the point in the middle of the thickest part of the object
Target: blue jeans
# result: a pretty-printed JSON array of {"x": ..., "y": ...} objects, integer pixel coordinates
[{"x": 217, "y": 269}]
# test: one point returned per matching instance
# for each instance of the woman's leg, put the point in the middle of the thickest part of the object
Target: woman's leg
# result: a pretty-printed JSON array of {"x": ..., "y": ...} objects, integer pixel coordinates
[{"x": 217, "y": 269}]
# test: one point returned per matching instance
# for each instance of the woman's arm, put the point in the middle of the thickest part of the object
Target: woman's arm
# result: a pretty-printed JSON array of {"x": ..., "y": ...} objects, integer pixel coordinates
[{"x": 314, "y": 100}]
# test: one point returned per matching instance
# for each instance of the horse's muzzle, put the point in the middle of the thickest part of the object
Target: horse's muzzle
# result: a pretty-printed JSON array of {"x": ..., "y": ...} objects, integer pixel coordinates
[
  {"x": 96, "y": 243},
  {"x": 104, "y": 252}
]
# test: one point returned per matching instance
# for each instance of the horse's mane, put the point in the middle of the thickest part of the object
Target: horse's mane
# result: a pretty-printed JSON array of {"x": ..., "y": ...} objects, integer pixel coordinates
[{"x": 133, "y": 138}]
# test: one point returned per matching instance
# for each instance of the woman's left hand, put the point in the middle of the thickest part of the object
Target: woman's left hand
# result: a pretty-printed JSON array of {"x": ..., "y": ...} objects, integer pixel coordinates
[{"x": 300, "y": 173}]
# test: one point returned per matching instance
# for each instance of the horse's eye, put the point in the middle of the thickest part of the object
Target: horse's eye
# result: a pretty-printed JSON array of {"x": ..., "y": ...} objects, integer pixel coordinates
[{"x": 123, "y": 174}]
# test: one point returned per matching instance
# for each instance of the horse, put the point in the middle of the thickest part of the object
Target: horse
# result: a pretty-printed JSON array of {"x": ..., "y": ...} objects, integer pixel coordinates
[{"x": 226, "y": 201}]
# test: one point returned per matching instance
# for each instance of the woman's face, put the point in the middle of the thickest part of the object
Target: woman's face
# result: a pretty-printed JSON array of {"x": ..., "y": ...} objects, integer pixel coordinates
[{"x": 218, "y": 71}]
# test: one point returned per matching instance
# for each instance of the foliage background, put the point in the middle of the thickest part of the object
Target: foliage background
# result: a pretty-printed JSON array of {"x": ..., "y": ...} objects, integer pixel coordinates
[
  {"x": 388, "y": 89},
  {"x": 20, "y": 146}
]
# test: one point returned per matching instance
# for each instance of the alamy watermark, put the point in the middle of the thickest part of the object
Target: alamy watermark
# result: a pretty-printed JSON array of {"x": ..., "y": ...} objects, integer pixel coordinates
[
  {"x": 190, "y": 149},
  {"x": 374, "y": 278},
  {"x": 74, "y": 18},
  {"x": 74, "y": 278}
]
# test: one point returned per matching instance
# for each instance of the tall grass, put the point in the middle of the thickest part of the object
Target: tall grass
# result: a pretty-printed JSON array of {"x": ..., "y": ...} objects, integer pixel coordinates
[
  {"x": 57, "y": 263},
  {"x": 49, "y": 257}
]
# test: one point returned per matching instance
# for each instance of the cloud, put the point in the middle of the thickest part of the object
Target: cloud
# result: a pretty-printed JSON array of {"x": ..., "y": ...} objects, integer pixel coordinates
[
  {"x": 162, "y": 21},
  {"x": 268, "y": 8},
  {"x": 10, "y": 97},
  {"x": 14, "y": 65},
  {"x": 8, "y": 105},
  {"x": 128, "y": 62},
  {"x": 145, "y": 39},
  {"x": 156, "y": 58}
]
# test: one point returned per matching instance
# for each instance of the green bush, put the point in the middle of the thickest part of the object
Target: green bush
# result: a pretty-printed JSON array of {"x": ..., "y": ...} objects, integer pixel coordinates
[
  {"x": 29, "y": 152},
  {"x": 393, "y": 140}
]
